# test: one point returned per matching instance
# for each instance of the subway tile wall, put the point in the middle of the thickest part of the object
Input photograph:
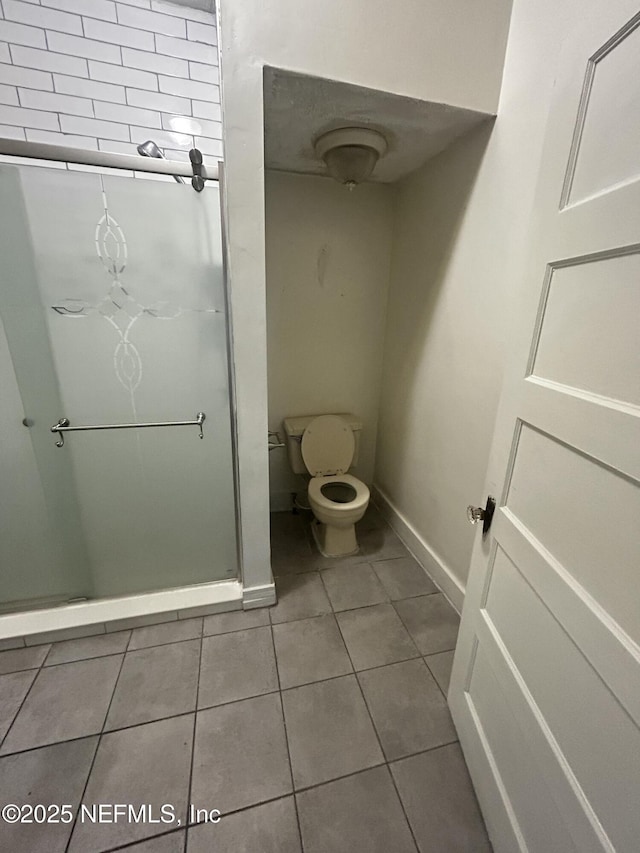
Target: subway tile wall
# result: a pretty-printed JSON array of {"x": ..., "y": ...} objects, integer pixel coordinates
[{"x": 110, "y": 74}]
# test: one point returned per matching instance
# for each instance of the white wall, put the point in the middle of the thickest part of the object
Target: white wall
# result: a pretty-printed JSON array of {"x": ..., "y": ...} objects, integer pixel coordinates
[
  {"x": 434, "y": 50},
  {"x": 96, "y": 74},
  {"x": 459, "y": 254},
  {"x": 328, "y": 260}
]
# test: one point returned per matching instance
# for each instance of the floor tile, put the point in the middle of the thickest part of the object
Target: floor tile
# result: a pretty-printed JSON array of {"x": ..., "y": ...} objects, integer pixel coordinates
[
  {"x": 13, "y": 688},
  {"x": 371, "y": 519},
  {"x": 66, "y": 701},
  {"x": 140, "y": 621},
  {"x": 294, "y": 561},
  {"x": 155, "y": 683},
  {"x": 52, "y": 774},
  {"x": 299, "y": 597},
  {"x": 431, "y": 621},
  {"x": 171, "y": 843},
  {"x": 167, "y": 632},
  {"x": 359, "y": 813},
  {"x": 270, "y": 828},
  {"x": 353, "y": 586},
  {"x": 26, "y": 658},
  {"x": 408, "y": 709},
  {"x": 237, "y": 620},
  {"x": 381, "y": 543},
  {"x": 144, "y": 765},
  {"x": 240, "y": 755},
  {"x": 12, "y": 643},
  {"x": 237, "y": 666},
  {"x": 440, "y": 666},
  {"x": 440, "y": 802},
  {"x": 375, "y": 636},
  {"x": 329, "y": 731},
  {"x": 88, "y": 647},
  {"x": 310, "y": 650},
  {"x": 403, "y": 577}
]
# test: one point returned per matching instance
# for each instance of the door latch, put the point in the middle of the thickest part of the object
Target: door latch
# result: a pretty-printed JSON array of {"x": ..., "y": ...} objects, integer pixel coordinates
[{"x": 475, "y": 514}]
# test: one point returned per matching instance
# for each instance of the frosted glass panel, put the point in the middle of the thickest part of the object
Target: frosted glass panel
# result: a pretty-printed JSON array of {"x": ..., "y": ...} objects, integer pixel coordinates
[{"x": 129, "y": 282}]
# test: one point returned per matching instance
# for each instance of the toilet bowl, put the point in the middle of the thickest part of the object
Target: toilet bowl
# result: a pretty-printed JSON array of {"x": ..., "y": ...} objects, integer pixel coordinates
[
  {"x": 337, "y": 499},
  {"x": 337, "y": 503}
]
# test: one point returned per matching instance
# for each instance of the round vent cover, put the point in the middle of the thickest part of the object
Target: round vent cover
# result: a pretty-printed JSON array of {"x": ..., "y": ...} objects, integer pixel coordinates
[{"x": 328, "y": 446}]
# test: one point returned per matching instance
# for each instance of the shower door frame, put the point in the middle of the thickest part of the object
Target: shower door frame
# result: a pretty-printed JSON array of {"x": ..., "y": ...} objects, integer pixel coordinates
[{"x": 213, "y": 596}]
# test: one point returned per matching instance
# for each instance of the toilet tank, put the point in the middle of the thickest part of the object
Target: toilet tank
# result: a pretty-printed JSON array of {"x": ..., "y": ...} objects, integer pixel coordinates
[{"x": 294, "y": 429}]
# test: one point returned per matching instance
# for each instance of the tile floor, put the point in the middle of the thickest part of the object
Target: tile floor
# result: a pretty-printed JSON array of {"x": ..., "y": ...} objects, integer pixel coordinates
[{"x": 318, "y": 725}]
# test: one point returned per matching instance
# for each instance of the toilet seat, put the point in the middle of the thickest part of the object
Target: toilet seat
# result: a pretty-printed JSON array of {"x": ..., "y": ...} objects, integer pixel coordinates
[
  {"x": 328, "y": 446},
  {"x": 360, "y": 500}
]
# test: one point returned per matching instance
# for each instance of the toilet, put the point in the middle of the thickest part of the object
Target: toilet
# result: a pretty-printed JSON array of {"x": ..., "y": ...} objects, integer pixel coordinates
[{"x": 326, "y": 446}]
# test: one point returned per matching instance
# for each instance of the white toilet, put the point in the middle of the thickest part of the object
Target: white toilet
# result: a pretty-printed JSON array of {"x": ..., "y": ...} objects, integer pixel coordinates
[{"x": 326, "y": 446}]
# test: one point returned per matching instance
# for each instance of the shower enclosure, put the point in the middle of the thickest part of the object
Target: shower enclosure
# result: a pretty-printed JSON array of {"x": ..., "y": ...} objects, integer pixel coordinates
[{"x": 117, "y": 459}]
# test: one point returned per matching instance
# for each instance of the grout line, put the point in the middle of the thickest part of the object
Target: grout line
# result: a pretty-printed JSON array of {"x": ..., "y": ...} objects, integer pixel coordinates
[
  {"x": 93, "y": 761},
  {"x": 15, "y": 716},
  {"x": 193, "y": 738},
  {"x": 286, "y": 734}
]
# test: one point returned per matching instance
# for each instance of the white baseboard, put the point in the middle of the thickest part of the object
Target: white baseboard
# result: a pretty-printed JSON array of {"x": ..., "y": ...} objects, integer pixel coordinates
[
  {"x": 258, "y": 596},
  {"x": 430, "y": 561}
]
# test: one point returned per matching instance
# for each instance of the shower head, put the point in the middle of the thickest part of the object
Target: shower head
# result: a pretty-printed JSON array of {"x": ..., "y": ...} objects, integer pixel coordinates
[{"x": 150, "y": 149}]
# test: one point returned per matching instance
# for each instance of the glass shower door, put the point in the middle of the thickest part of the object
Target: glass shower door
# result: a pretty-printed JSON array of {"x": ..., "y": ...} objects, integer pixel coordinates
[{"x": 113, "y": 305}]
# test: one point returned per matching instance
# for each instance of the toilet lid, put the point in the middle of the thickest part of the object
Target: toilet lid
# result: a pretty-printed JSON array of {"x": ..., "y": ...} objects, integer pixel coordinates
[{"x": 328, "y": 446}]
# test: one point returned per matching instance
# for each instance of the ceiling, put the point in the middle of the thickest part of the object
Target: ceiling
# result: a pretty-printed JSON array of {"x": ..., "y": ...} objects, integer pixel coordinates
[{"x": 298, "y": 109}]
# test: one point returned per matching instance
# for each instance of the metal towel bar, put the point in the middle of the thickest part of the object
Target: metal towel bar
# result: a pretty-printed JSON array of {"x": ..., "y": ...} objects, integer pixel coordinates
[{"x": 63, "y": 426}]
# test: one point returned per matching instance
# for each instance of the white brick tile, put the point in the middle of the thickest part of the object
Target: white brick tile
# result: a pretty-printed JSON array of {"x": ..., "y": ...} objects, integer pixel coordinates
[
  {"x": 197, "y": 126},
  {"x": 29, "y": 161},
  {"x": 76, "y": 46},
  {"x": 187, "y": 49},
  {"x": 127, "y": 115},
  {"x": 46, "y": 61},
  {"x": 152, "y": 21},
  {"x": 116, "y": 147},
  {"x": 28, "y": 118},
  {"x": 94, "y": 127},
  {"x": 205, "y": 109},
  {"x": 101, "y": 170},
  {"x": 27, "y": 77},
  {"x": 154, "y": 62},
  {"x": 204, "y": 73},
  {"x": 158, "y": 101},
  {"x": 182, "y": 11},
  {"x": 5, "y": 56},
  {"x": 55, "y": 102},
  {"x": 103, "y": 9},
  {"x": 201, "y": 32},
  {"x": 211, "y": 147},
  {"x": 21, "y": 34},
  {"x": 141, "y": 4},
  {"x": 123, "y": 76},
  {"x": 37, "y": 16},
  {"x": 163, "y": 138},
  {"x": 151, "y": 176},
  {"x": 116, "y": 34},
  {"x": 189, "y": 88},
  {"x": 173, "y": 154},
  {"x": 9, "y": 95},
  {"x": 51, "y": 138},
  {"x": 9, "y": 132},
  {"x": 84, "y": 88}
]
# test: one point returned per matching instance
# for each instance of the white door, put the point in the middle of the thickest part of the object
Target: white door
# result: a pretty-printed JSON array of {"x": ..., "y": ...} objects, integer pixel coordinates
[{"x": 545, "y": 690}]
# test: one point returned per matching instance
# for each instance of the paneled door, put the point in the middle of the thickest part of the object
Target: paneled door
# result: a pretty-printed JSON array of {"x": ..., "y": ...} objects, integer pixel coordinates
[{"x": 545, "y": 690}]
